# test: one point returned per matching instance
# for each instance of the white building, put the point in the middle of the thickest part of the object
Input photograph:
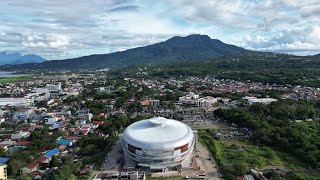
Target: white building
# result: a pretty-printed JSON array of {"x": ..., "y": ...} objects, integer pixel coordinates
[
  {"x": 52, "y": 88},
  {"x": 20, "y": 135},
  {"x": 158, "y": 143},
  {"x": 193, "y": 99},
  {"x": 50, "y": 118},
  {"x": 265, "y": 101},
  {"x": 189, "y": 98},
  {"x": 206, "y": 101}
]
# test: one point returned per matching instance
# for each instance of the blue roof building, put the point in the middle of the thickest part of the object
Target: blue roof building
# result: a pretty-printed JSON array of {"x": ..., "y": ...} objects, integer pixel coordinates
[
  {"x": 66, "y": 142},
  {"x": 52, "y": 153},
  {"x": 4, "y": 160}
]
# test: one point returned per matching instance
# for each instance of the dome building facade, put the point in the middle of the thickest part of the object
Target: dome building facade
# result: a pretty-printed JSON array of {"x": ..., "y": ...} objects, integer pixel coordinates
[{"x": 158, "y": 143}]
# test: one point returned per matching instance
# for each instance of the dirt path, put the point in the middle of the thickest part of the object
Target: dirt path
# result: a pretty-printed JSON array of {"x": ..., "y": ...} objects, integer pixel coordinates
[{"x": 203, "y": 161}]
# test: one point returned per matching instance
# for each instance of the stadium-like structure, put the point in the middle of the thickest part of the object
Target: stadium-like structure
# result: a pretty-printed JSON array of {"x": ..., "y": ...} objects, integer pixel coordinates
[{"x": 158, "y": 143}]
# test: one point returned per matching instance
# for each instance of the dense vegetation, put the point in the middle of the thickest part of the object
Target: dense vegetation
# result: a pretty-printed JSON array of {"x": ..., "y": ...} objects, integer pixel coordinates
[
  {"x": 254, "y": 66},
  {"x": 275, "y": 125},
  {"x": 236, "y": 157}
]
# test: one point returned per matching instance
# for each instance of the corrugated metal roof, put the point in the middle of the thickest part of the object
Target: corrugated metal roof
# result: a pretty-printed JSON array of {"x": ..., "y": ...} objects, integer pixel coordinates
[
  {"x": 64, "y": 142},
  {"x": 36, "y": 163},
  {"x": 52, "y": 152},
  {"x": 4, "y": 160}
]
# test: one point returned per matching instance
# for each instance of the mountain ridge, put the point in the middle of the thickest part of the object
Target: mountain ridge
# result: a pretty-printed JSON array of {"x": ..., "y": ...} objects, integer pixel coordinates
[
  {"x": 7, "y": 57},
  {"x": 176, "y": 49}
]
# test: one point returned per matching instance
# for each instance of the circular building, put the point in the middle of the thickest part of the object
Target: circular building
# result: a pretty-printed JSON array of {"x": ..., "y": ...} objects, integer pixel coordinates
[{"x": 158, "y": 143}]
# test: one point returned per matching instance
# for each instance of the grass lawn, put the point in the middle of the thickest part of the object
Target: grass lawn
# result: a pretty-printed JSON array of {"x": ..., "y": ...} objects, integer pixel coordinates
[{"x": 14, "y": 79}]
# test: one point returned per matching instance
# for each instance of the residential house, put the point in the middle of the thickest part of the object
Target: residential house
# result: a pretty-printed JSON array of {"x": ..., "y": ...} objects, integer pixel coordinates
[
  {"x": 23, "y": 114},
  {"x": 34, "y": 165},
  {"x": 51, "y": 153},
  {"x": 50, "y": 118},
  {"x": 84, "y": 114},
  {"x": 20, "y": 135}
]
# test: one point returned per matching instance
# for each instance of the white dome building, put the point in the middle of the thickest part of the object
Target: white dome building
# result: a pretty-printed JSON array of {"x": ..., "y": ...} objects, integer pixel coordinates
[{"x": 158, "y": 143}]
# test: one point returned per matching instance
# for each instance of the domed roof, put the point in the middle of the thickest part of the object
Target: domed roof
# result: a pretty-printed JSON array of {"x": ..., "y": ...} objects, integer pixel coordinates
[{"x": 158, "y": 133}]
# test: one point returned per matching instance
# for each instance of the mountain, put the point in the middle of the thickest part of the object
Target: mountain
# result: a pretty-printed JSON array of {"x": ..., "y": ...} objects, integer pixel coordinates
[
  {"x": 29, "y": 58},
  {"x": 7, "y": 57},
  {"x": 177, "y": 49}
]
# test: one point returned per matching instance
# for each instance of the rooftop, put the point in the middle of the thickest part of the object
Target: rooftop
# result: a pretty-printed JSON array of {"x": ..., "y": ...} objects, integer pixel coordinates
[{"x": 157, "y": 131}]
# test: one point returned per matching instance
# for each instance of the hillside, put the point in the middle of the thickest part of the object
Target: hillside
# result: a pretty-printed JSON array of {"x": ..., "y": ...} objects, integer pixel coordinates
[
  {"x": 263, "y": 67},
  {"x": 7, "y": 57},
  {"x": 176, "y": 49}
]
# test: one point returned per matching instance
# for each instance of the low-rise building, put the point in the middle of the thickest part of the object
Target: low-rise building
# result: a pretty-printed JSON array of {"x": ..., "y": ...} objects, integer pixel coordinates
[
  {"x": 84, "y": 115},
  {"x": 150, "y": 102},
  {"x": 194, "y": 99},
  {"x": 265, "y": 101},
  {"x": 20, "y": 135},
  {"x": 34, "y": 165},
  {"x": 50, "y": 118}
]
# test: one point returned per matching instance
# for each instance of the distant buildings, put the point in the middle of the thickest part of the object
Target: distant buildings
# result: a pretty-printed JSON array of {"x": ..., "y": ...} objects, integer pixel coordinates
[
  {"x": 265, "y": 101},
  {"x": 39, "y": 94},
  {"x": 190, "y": 98},
  {"x": 52, "y": 88},
  {"x": 18, "y": 101},
  {"x": 193, "y": 99},
  {"x": 150, "y": 102}
]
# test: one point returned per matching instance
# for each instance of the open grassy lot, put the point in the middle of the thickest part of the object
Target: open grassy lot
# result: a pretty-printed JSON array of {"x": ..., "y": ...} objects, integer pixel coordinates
[
  {"x": 15, "y": 79},
  {"x": 236, "y": 157}
]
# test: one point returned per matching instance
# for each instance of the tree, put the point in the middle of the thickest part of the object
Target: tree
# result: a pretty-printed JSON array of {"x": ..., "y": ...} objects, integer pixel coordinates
[
  {"x": 90, "y": 149},
  {"x": 2, "y": 152},
  {"x": 240, "y": 168},
  {"x": 14, "y": 165},
  {"x": 24, "y": 177}
]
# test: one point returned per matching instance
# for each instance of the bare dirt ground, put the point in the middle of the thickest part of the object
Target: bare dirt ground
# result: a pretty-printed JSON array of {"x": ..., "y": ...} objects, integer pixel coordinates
[{"x": 205, "y": 163}]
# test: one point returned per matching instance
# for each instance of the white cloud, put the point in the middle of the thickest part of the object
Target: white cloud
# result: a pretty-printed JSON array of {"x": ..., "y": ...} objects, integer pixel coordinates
[
  {"x": 45, "y": 41},
  {"x": 292, "y": 41},
  {"x": 64, "y": 28}
]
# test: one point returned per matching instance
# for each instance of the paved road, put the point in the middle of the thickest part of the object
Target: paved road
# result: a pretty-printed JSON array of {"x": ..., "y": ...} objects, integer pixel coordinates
[{"x": 111, "y": 163}]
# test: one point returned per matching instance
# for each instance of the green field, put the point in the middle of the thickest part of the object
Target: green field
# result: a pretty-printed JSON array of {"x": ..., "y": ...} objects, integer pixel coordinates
[
  {"x": 236, "y": 157},
  {"x": 15, "y": 79}
]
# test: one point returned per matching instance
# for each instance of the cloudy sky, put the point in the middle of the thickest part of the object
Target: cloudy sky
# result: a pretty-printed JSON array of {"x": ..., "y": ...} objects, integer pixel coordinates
[{"x": 57, "y": 29}]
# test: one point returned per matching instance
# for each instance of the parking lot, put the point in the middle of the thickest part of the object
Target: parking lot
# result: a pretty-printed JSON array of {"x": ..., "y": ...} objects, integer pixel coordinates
[{"x": 203, "y": 121}]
